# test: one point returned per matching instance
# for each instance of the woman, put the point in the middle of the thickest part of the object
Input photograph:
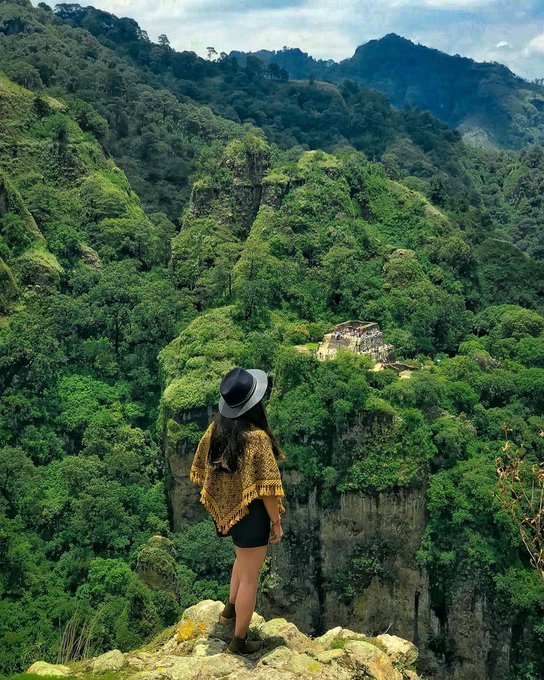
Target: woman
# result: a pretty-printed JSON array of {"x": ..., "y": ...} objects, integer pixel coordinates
[{"x": 236, "y": 465}]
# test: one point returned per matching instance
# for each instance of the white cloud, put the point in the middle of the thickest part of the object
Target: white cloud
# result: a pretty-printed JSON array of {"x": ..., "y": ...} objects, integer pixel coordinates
[
  {"x": 333, "y": 29},
  {"x": 446, "y": 4},
  {"x": 535, "y": 46}
]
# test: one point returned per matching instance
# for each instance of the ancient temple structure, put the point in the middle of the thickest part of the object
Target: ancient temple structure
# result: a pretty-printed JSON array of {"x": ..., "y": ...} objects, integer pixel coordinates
[{"x": 360, "y": 337}]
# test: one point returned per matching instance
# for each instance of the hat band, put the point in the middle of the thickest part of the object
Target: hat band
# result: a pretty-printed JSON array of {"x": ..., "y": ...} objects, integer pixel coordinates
[{"x": 248, "y": 396}]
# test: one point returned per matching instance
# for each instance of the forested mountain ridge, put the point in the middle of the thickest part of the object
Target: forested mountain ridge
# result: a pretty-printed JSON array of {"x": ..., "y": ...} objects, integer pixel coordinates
[
  {"x": 490, "y": 105},
  {"x": 88, "y": 306},
  {"x": 61, "y": 199},
  {"x": 334, "y": 238},
  {"x": 152, "y": 98},
  {"x": 113, "y": 341},
  {"x": 152, "y": 135},
  {"x": 152, "y": 119}
]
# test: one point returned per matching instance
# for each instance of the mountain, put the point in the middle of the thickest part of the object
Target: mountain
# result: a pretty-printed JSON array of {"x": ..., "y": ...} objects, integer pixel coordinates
[
  {"x": 152, "y": 135},
  {"x": 116, "y": 325},
  {"x": 273, "y": 254},
  {"x": 157, "y": 149},
  {"x": 154, "y": 109},
  {"x": 486, "y": 102},
  {"x": 63, "y": 204}
]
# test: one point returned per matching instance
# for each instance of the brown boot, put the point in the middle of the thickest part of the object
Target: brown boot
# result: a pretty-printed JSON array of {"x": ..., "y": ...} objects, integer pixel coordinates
[
  {"x": 240, "y": 645},
  {"x": 228, "y": 614}
]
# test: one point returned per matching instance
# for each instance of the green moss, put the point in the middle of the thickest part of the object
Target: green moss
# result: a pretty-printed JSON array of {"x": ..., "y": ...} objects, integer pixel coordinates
[
  {"x": 194, "y": 363},
  {"x": 339, "y": 643},
  {"x": 276, "y": 177},
  {"x": 377, "y": 643},
  {"x": 38, "y": 267}
]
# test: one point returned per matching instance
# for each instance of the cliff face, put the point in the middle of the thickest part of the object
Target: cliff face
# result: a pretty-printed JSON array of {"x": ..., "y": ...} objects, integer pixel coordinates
[
  {"x": 352, "y": 564},
  {"x": 195, "y": 649},
  {"x": 359, "y": 571}
]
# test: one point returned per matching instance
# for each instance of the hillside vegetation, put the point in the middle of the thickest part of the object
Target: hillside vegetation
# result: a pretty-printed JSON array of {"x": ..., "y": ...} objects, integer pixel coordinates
[
  {"x": 154, "y": 109},
  {"x": 115, "y": 322},
  {"x": 490, "y": 105},
  {"x": 334, "y": 238}
]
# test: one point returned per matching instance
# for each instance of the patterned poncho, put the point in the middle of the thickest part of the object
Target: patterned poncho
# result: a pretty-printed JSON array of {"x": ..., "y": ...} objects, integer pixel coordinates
[{"x": 226, "y": 495}]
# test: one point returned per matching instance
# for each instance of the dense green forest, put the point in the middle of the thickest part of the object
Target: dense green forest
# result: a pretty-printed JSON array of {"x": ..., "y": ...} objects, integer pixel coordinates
[
  {"x": 157, "y": 108},
  {"x": 155, "y": 231},
  {"x": 490, "y": 105}
]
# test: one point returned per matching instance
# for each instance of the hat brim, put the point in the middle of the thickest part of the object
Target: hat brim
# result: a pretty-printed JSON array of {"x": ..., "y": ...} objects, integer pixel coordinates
[{"x": 258, "y": 394}]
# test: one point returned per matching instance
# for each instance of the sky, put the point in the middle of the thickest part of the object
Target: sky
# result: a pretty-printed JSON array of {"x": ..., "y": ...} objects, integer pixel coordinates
[{"x": 507, "y": 31}]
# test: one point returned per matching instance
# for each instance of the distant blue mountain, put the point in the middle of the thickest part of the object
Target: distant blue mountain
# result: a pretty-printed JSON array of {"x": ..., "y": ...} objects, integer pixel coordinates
[{"x": 488, "y": 103}]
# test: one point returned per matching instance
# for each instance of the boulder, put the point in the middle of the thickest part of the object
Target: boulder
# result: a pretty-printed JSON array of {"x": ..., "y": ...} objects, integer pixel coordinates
[
  {"x": 202, "y": 619},
  {"x": 139, "y": 660},
  {"x": 368, "y": 659},
  {"x": 44, "y": 668},
  {"x": 303, "y": 665},
  {"x": 277, "y": 658},
  {"x": 400, "y": 651},
  {"x": 282, "y": 631},
  {"x": 330, "y": 655},
  {"x": 327, "y": 640},
  {"x": 208, "y": 647},
  {"x": 196, "y": 667},
  {"x": 110, "y": 661}
]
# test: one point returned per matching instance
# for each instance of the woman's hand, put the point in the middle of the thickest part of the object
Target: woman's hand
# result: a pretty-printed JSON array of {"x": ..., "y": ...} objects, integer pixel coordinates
[
  {"x": 272, "y": 507},
  {"x": 277, "y": 532}
]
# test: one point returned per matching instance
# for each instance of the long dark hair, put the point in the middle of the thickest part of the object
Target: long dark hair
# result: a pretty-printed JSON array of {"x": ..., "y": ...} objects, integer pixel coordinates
[{"x": 228, "y": 439}]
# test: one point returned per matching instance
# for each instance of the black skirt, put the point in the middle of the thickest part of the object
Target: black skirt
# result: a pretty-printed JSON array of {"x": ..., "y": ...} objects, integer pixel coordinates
[{"x": 253, "y": 530}]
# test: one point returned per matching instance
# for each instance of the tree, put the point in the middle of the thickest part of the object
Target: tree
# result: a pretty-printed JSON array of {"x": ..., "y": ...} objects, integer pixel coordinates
[
  {"x": 211, "y": 51},
  {"x": 256, "y": 278},
  {"x": 163, "y": 40},
  {"x": 113, "y": 300},
  {"x": 254, "y": 66},
  {"x": 521, "y": 484},
  {"x": 275, "y": 72}
]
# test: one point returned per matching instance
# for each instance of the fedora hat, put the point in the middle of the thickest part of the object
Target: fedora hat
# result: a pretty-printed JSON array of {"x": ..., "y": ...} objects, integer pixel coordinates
[{"x": 241, "y": 389}]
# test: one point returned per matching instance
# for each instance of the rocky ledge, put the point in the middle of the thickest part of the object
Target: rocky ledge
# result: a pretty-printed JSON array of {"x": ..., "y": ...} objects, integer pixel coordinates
[{"x": 195, "y": 648}]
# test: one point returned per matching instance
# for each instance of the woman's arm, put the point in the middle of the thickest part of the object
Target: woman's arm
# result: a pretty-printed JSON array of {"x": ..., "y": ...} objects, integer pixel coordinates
[
  {"x": 271, "y": 504},
  {"x": 272, "y": 507}
]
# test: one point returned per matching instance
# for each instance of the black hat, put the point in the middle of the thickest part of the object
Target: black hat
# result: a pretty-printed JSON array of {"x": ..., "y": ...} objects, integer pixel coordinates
[{"x": 240, "y": 390}]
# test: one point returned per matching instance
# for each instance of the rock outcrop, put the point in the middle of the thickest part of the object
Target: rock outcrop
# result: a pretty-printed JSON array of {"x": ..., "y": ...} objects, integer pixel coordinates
[
  {"x": 359, "y": 337},
  {"x": 196, "y": 648}
]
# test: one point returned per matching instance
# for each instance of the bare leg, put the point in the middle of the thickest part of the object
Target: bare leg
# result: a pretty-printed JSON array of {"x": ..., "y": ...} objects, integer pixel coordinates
[
  {"x": 234, "y": 582},
  {"x": 249, "y": 563}
]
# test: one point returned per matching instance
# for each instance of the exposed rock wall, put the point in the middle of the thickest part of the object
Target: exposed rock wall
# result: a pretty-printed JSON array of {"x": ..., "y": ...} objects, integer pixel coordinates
[
  {"x": 184, "y": 505},
  {"x": 465, "y": 643}
]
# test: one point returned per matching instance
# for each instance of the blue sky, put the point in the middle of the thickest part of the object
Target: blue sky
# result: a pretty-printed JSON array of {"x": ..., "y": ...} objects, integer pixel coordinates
[{"x": 508, "y": 31}]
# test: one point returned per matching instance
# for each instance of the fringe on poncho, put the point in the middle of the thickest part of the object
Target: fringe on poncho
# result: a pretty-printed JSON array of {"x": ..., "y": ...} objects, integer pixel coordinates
[{"x": 226, "y": 495}]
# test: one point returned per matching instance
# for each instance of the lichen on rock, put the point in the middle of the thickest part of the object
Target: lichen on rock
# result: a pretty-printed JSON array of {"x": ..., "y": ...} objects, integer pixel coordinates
[{"x": 196, "y": 649}]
